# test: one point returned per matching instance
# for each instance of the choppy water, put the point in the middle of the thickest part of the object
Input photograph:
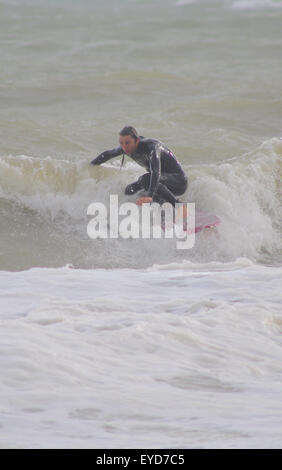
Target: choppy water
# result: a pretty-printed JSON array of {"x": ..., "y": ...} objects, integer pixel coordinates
[{"x": 133, "y": 343}]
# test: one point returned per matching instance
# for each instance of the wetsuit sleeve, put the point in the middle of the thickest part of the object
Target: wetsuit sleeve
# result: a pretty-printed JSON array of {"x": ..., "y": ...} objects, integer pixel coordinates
[
  {"x": 107, "y": 155},
  {"x": 155, "y": 167}
]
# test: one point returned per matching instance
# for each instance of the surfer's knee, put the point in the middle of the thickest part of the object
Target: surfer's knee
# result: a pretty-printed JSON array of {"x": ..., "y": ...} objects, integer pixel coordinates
[
  {"x": 185, "y": 185},
  {"x": 182, "y": 187},
  {"x": 144, "y": 181}
]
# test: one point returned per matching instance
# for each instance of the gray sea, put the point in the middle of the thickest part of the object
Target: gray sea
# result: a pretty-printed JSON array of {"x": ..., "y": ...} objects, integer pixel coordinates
[{"x": 133, "y": 343}]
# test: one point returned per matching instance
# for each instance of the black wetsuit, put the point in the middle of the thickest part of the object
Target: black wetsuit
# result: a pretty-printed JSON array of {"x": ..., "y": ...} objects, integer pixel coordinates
[{"x": 165, "y": 178}]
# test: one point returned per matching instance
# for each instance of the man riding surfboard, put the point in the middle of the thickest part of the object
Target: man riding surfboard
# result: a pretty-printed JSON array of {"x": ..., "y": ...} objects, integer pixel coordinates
[{"x": 165, "y": 178}]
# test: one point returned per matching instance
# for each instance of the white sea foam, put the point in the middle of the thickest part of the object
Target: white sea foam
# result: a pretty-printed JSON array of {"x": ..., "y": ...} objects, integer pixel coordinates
[
  {"x": 185, "y": 2},
  {"x": 88, "y": 356},
  {"x": 255, "y": 4}
]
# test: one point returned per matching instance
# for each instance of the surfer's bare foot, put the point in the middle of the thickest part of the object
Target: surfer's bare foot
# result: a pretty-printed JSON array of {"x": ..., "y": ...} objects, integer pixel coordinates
[{"x": 181, "y": 215}]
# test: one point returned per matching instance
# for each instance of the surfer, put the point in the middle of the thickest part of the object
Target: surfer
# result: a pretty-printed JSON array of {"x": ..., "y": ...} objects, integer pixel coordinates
[{"x": 165, "y": 178}]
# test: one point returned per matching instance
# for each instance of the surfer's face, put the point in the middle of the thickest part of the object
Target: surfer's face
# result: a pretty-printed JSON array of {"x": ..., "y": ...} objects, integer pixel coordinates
[{"x": 128, "y": 144}]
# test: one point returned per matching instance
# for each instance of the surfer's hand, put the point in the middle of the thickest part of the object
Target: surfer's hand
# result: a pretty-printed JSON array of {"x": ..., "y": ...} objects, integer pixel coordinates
[
  {"x": 143, "y": 200},
  {"x": 98, "y": 160}
]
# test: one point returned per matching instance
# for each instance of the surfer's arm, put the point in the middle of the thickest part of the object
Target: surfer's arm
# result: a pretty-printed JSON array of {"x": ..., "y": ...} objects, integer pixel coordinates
[
  {"x": 107, "y": 155},
  {"x": 155, "y": 168}
]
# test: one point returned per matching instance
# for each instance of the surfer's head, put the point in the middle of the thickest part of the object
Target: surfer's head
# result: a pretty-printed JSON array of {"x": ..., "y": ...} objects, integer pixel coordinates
[{"x": 129, "y": 140}]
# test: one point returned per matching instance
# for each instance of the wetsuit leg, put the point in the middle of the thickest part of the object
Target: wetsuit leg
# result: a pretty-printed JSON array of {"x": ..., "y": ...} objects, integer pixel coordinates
[
  {"x": 170, "y": 185},
  {"x": 174, "y": 183}
]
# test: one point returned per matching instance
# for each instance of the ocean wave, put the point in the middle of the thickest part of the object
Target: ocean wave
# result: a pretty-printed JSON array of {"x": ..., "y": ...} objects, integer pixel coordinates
[
  {"x": 53, "y": 186},
  {"x": 245, "y": 192},
  {"x": 239, "y": 4},
  {"x": 185, "y": 2},
  {"x": 45, "y": 194},
  {"x": 255, "y": 4}
]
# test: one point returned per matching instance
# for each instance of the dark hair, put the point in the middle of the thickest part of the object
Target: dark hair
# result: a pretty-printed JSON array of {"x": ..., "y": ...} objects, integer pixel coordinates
[{"x": 129, "y": 130}]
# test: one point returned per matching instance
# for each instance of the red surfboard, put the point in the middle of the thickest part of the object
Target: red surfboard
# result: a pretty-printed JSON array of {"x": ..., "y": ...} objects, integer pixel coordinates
[{"x": 203, "y": 220}]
